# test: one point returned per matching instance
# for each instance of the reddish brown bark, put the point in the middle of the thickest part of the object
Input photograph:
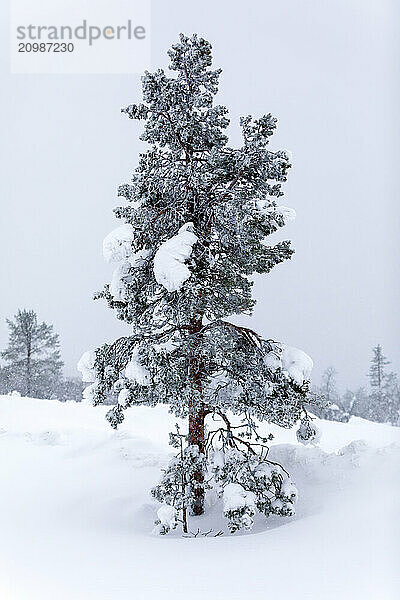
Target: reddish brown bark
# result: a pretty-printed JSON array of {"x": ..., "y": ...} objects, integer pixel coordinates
[
  {"x": 196, "y": 438},
  {"x": 197, "y": 413}
]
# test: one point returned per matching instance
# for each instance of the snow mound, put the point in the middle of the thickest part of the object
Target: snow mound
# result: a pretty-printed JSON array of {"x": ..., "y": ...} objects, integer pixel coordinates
[
  {"x": 170, "y": 269},
  {"x": 117, "y": 245}
]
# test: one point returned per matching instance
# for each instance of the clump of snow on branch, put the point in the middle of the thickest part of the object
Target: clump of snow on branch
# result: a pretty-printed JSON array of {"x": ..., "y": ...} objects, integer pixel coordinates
[
  {"x": 138, "y": 258},
  {"x": 86, "y": 366},
  {"x": 308, "y": 433},
  {"x": 286, "y": 213},
  {"x": 170, "y": 269},
  {"x": 296, "y": 363},
  {"x": 166, "y": 347},
  {"x": 136, "y": 371},
  {"x": 287, "y": 498},
  {"x": 88, "y": 393},
  {"x": 117, "y": 245},
  {"x": 123, "y": 397},
  {"x": 167, "y": 515},
  {"x": 117, "y": 285},
  {"x": 167, "y": 519},
  {"x": 239, "y": 507},
  {"x": 249, "y": 483}
]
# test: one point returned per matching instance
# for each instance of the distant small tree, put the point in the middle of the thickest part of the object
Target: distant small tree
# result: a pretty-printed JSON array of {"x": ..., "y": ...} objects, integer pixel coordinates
[
  {"x": 377, "y": 369},
  {"x": 330, "y": 406},
  {"x": 384, "y": 402},
  {"x": 348, "y": 401},
  {"x": 33, "y": 363},
  {"x": 381, "y": 403},
  {"x": 356, "y": 402},
  {"x": 328, "y": 388}
]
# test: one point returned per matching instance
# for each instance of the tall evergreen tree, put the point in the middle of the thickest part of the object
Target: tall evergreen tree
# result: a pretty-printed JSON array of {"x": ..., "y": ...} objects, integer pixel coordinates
[
  {"x": 33, "y": 364},
  {"x": 196, "y": 218}
]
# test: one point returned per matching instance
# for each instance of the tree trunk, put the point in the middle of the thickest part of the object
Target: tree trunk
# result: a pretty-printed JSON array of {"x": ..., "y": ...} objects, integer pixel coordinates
[
  {"x": 28, "y": 371},
  {"x": 197, "y": 414},
  {"x": 196, "y": 438}
]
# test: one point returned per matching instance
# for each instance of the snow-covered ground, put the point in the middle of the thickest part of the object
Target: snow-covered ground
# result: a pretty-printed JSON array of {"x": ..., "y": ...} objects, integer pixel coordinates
[{"x": 76, "y": 514}]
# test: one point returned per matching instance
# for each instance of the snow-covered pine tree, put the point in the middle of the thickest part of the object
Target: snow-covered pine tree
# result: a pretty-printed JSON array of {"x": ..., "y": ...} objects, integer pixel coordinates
[
  {"x": 384, "y": 399},
  {"x": 377, "y": 369},
  {"x": 33, "y": 364},
  {"x": 196, "y": 218}
]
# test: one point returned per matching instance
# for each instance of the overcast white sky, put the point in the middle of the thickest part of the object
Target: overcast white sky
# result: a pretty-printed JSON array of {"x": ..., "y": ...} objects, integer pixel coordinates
[{"x": 327, "y": 70}]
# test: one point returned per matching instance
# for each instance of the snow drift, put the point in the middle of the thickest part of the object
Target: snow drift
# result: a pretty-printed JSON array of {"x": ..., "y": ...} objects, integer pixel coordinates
[{"x": 76, "y": 514}]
